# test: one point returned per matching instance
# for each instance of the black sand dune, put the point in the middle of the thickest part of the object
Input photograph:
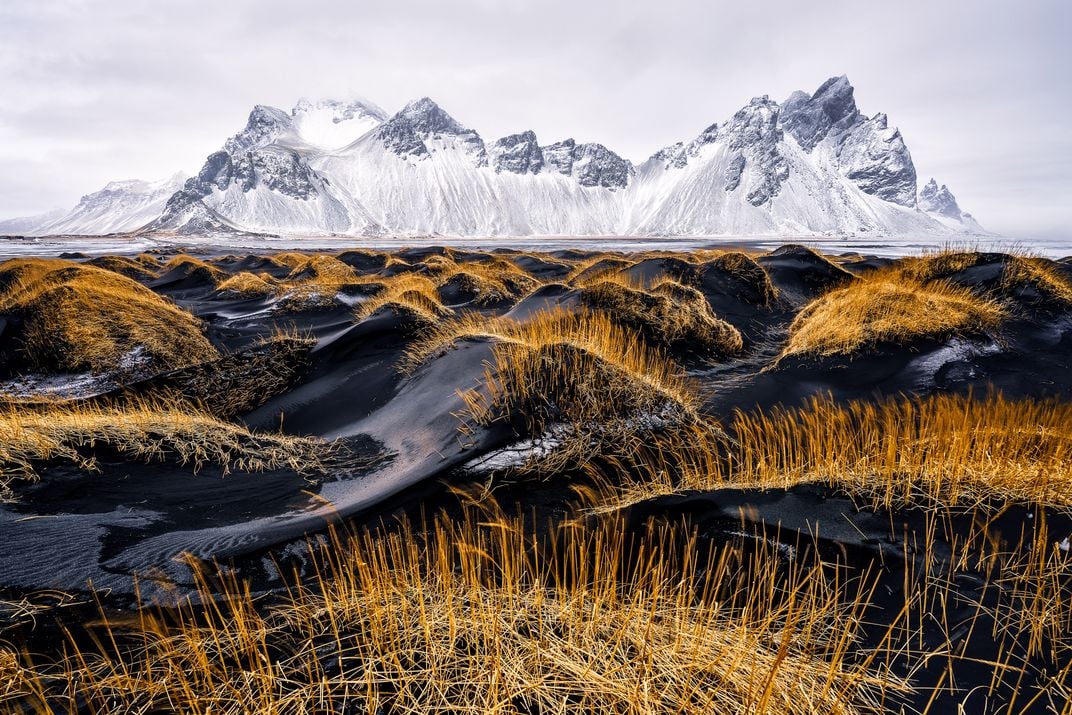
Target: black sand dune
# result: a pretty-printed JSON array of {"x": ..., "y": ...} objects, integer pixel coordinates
[
  {"x": 349, "y": 386},
  {"x": 400, "y": 444}
]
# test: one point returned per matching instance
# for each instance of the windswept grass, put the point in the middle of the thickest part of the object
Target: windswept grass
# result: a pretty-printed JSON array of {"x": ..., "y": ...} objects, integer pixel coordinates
[
  {"x": 123, "y": 265},
  {"x": 194, "y": 267},
  {"x": 77, "y": 317},
  {"x": 247, "y": 285},
  {"x": 599, "y": 267},
  {"x": 477, "y": 618},
  {"x": 409, "y": 293},
  {"x": 742, "y": 268},
  {"x": 489, "y": 282},
  {"x": 669, "y": 314},
  {"x": 1022, "y": 277},
  {"x": 582, "y": 377},
  {"x": 315, "y": 283},
  {"x": 947, "y": 450},
  {"x": 887, "y": 307},
  {"x": 32, "y": 435}
]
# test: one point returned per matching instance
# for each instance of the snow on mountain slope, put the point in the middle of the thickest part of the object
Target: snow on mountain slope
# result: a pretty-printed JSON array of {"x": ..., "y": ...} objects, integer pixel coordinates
[
  {"x": 26, "y": 225},
  {"x": 813, "y": 164},
  {"x": 120, "y": 206},
  {"x": 331, "y": 124}
]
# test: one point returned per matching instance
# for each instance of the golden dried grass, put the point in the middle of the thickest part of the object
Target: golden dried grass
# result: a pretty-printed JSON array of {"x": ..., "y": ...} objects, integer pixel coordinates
[
  {"x": 477, "y": 618},
  {"x": 123, "y": 265},
  {"x": 194, "y": 267},
  {"x": 78, "y": 317},
  {"x": 146, "y": 430},
  {"x": 410, "y": 293},
  {"x": 742, "y": 267},
  {"x": 247, "y": 285},
  {"x": 887, "y": 307},
  {"x": 947, "y": 450},
  {"x": 670, "y": 314}
]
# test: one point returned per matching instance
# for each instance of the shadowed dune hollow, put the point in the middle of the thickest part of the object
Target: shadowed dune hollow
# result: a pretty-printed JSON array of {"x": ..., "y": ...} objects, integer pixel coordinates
[{"x": 438, "y": 480}]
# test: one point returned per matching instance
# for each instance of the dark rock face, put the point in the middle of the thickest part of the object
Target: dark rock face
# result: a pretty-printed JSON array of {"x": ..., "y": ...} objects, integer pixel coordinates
[
  {"x": 755, "y": 133},
  {"x": 876, "y": 159},
  {"x": 939, "y": 200},
  {"x": 596, "y": 165},
  {"x": 264, "y": 126},
  {"x": 517, "y": 154},
  {"x": 282, "y": 171},
  {"x": 559, "y": 156},
  {"x": 591, "y": 164},
  {"x": 869, "y": 153},
  {"x": 733, "y": 172},
  {"x": 406, "y": 132},
  {"x": 831, "y": 110}
]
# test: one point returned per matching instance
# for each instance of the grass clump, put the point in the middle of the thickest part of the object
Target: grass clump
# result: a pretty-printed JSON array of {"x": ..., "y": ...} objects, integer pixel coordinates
[
  {"x": 887, "y": 307},
  {"x": 195, "y": 268},
  {"x": 314, "y": 283},
  {"x": 669, "y": 314},
  {"x": 247, "y": 285},
  {"x": 408, "y": 294},
  {"x": 485, "y": 282},
  {"x": 34, "y": 435},
  {"x": 1025, "y": 278},
  {"x": 579, "y": 380},
  {"x": 947, "y": 450},
  {"x": 128, "y": 267},
  {"x": 748, "y": 276},
  {"x": 76, "y": 317},
  {"x": 477, "y": 618}
]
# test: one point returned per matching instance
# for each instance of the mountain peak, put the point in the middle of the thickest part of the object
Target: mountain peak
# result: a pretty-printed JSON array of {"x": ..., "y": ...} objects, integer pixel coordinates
[
  {"x": 831, "y": 109},
  {"x": 939, "y": 200},
  {"x": 517, "y": 153},
  {"x": 427, "y": 117},
  {"x": 263, "y": 126},
  {"x": 405, "y": 133}
]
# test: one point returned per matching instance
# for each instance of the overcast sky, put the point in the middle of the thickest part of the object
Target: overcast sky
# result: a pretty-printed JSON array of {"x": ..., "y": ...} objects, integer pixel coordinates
[{"x": 96, "y": 90}]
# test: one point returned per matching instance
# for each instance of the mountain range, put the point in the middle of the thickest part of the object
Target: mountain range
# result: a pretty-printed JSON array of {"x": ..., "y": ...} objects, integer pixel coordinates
[{"x": 811, "y": 164}]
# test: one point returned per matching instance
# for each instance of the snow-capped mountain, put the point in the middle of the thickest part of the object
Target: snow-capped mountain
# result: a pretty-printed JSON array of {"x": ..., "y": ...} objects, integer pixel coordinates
[
  {"x": 940, "y": 203},
  {"x": 119, "y": 207},
  {"x": 813, "y": 164}
]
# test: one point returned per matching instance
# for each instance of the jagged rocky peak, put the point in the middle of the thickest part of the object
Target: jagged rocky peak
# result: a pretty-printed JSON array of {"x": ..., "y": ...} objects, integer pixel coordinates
[
  {"x": 407, "y": 132},
  {"x": 876, "y": 159},
  {"x": 559, "y": 156},
  {"x": 590, "y": 164},
  {"x": 939, "y": 200},
  {"x": 754, "y": 124},
  {"x": 830, "y": 110},
  {"x": 678, "y": 155},
  {"x": 754, "y": 134},
  {"x": 517, "y": 154},
  {"x": 265, "y": 125},
  {"x": 596, "y": 165}
]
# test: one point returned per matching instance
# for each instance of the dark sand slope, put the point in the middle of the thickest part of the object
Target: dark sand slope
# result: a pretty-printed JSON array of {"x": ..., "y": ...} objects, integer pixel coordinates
[
  {"x": 131, "y": 518},
  {"x": 322, "y": 352}
]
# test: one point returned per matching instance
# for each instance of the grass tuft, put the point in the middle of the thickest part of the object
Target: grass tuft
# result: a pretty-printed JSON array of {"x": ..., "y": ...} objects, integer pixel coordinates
[
  {"x": 150, "y": 430},
  {"x": 477, "y": 618},
  {"x": 669, "y": 314},
  {"x": 887, "y": 307},
  {"x": 76, "y": 317}
]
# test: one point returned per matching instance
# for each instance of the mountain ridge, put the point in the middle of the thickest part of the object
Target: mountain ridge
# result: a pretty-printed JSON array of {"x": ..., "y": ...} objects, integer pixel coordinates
[{"x": 813, "y": 164}]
